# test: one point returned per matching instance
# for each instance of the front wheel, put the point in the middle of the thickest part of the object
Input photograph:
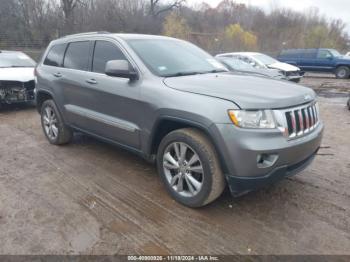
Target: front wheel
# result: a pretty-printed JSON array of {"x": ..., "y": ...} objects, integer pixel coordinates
[
  {"x": 53, "y": 125},
  {"x": 189, "y": 167}
]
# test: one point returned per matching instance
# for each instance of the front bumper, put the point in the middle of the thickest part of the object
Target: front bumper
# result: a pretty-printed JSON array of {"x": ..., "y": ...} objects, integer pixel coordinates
[
  {"x": 294, "y": 76},
  {"x": 241, "y": 185},
  {"x": 240, "y": 150},
  {"x": 16, "y": 92}
]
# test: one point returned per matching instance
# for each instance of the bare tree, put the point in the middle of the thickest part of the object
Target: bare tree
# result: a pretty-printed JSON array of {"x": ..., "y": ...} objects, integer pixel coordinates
[
  {"x": 33, "y": 23},
  {"x": 156, "y": 7},
  {"x": 68, "y": 7}
]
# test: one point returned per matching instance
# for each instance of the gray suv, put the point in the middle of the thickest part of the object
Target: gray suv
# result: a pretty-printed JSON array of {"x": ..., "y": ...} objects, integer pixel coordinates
[{"x": 175, "y": 105}]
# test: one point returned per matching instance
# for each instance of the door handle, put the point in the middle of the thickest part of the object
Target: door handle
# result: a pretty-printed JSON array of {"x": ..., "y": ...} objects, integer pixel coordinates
[
  {"x": 57, "y": 74},
  {"x": 91, "y": 81}
]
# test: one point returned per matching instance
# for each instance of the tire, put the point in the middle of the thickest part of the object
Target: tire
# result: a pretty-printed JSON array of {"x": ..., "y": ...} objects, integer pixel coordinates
[
  {"x": 211, "y": 179},
  {"x": 55, "y": 130},
  {"x": 342, "y": 72}
]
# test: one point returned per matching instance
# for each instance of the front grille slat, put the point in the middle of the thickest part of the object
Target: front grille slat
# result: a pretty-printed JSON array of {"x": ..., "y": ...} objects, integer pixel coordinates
[
  {"x": 310, "y": 118},
  {"x": 301, "y": 120},
  {"x": 294, "y": 124},
  {"x": 313, "y": 116},
  {"x": 315, "y": 112}
]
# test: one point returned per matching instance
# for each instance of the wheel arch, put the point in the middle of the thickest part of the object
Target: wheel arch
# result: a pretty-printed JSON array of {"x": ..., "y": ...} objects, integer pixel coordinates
[
  {"x": 167, "y": 124},
  {"x": 40, "y": 97},
  {"x": 341, "y": 65}
]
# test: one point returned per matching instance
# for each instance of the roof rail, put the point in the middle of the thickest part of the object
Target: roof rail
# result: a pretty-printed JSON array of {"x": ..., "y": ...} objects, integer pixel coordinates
[{"x": 87, "y": 33}]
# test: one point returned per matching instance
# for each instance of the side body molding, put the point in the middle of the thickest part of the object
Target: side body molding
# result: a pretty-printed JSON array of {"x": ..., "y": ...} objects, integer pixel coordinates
[{"x": 105, "y": 119}]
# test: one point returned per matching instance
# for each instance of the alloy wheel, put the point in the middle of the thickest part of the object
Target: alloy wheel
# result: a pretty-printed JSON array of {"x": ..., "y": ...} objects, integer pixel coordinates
[
  {"x": 50, "y": 123},
  {"x": 183, "y": 169}
]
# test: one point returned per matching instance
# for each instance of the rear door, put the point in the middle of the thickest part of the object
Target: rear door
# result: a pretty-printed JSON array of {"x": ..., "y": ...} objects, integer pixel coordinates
[
  {"x": 73, "y": 85},
  {"x": 306, "y": 61},
  {"x": 291, "y": 56}
]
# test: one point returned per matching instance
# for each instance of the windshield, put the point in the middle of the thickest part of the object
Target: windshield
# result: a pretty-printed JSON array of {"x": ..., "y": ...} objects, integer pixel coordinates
[
  {"x": 167, "y": 57},
  {"x": 15, "y": 59},
  {"x": 334, "y": 52},
  {"x": 236, "y": 64},
  {"x": 266, "y": 60}
]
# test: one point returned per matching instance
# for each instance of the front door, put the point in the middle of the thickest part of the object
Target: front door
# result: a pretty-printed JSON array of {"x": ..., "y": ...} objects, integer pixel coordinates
[{"x": 110, "y": 104}]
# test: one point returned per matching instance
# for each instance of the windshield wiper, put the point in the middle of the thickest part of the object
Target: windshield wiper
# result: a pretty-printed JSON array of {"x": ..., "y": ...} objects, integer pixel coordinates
[
  {"x": 214, "y": 71},
  {"x": 196, "y": 73},
  {"x": 182, "y": 74}
]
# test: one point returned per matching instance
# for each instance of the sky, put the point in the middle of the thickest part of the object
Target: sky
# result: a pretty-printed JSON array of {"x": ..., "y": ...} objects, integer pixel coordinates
[{"x": 330, "y": 8}]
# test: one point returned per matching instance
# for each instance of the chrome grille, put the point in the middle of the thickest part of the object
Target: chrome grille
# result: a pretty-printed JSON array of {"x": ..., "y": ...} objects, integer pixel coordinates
[{"x": 301, "y": 120}]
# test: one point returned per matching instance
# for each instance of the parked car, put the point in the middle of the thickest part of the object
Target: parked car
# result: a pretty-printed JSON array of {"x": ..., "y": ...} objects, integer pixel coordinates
[
  {"x": 318, "y": 60},
  {"x": 16, "y": 77},
  {"x": 237, "y": 65},
  {"x": 174, "y": 104},
  {"x": 262, "y": 61}
]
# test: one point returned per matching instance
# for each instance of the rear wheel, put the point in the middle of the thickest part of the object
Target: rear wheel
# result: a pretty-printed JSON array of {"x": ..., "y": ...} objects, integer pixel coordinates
[
  {"x": 342, "y": 72},
  {"x": 189, "y": 167},
  {"x": 53, "y": 126}
]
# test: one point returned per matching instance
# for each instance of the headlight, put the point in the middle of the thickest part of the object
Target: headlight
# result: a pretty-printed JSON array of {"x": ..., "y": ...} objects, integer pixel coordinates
[{"x": 253, "y": 119}]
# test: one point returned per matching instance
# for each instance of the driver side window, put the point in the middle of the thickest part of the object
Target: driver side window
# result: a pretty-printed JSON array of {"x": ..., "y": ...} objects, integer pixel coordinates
[
  {"x": 105, "y": 51},
  {"x": 250, "y": 61},
  {"x": 324, "y": 54}
]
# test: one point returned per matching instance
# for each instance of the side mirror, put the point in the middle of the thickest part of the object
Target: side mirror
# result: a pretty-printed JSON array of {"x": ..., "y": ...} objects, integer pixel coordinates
[{"x": 120, "y": 68}]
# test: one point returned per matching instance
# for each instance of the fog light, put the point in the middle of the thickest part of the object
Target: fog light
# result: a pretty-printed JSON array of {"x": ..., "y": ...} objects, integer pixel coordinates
[{"x": 266, "y": 160}]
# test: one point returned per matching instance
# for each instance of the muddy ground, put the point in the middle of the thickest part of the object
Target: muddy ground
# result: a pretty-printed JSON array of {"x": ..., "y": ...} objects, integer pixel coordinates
[{"x": 92, "y": 198}]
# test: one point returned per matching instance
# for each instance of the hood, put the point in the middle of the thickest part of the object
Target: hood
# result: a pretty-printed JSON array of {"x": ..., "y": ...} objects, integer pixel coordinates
[
  {"x": 270, "y": 73},
  {"x": 274, "y": 73},
  {"x": 248, "y": 92},
  {"x": 344, "y": 58},
  {"x": 284, "y": 67},
  {"x": 21, "y": 74}
]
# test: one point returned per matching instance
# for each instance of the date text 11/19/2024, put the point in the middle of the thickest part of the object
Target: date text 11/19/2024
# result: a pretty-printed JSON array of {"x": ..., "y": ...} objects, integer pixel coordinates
[{"x": 173, "y": 258}]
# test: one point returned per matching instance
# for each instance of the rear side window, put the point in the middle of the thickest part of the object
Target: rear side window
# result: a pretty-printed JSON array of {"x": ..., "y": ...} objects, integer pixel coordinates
[
  {"x": 55, "y": 55},
  {"x": 291, "y": 53},
  {"x": 309, "y": 53},
  {"x": 105, "y": 51},
  {"x": 77, "y": 55}
]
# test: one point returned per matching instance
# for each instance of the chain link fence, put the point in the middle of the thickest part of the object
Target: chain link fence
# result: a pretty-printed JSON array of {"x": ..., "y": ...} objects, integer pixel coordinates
[{"x": 33, "y": 48}]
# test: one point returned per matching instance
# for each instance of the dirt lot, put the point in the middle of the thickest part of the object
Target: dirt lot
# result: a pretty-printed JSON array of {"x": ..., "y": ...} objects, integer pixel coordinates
[{"x": 92, "y": 198}]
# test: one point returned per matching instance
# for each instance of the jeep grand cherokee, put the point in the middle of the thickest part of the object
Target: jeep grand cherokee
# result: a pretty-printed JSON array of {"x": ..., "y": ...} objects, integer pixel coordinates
[{"x": 172, "y": 103}]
